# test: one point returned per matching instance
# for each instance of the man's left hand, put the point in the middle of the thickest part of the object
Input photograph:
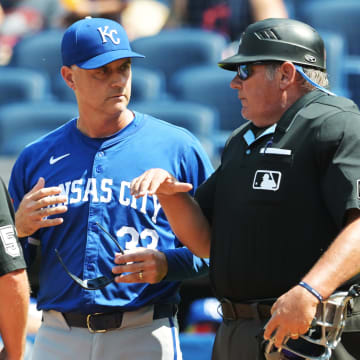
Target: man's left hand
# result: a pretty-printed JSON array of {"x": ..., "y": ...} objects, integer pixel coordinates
[
  {"x": 292, "y": 315},
  {"x": 140, "y": 265}
]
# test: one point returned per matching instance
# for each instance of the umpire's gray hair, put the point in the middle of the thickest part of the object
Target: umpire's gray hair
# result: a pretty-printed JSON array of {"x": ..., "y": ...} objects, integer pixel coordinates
[{"x": 317, "y": 76}]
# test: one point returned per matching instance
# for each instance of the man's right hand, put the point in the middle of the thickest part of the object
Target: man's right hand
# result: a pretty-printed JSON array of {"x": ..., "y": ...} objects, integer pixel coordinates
[
  {"x": 192, "y": 228},
  {"x": 34, "y": 209},
  {"x": 157, "y": 181}
]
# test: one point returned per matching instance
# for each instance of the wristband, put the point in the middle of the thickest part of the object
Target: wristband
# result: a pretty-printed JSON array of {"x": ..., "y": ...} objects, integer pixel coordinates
[{"x": 311, "y": 290}]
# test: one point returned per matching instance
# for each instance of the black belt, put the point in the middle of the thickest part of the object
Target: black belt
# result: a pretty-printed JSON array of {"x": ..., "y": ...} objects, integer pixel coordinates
[
  {"x": 235, "y": 311},
  {"x": 102, "y": 322}
]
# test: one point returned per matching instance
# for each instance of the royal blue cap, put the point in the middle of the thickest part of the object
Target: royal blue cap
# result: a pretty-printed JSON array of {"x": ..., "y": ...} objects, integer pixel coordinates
[{"x": 94, "y": 42}]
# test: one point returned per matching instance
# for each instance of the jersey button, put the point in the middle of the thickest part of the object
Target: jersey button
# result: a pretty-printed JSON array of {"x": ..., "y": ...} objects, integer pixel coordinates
[
  {"x": 248, "y": 152},
  {"x": 99, "y": 169},
  {"x": 101, "y": 154}
]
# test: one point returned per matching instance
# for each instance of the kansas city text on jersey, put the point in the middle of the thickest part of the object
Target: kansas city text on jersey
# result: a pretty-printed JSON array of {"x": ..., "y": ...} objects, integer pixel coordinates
[{"x": 101, "y": 190}]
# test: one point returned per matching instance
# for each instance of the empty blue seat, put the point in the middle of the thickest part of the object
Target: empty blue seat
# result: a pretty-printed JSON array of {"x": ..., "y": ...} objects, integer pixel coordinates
[
  {"x": 19, "y": 84},
  {"x": 341, "y": 17},
  {"x": 22, "y": 123},
  {"x": 172, "y": 50},
  {"x": 147, "y": 84},
  {"x": 41, "y": 51},
  {"x": 210, "y": 86},
  {"x": 199, "y": 119},
  {"x": 336, "y": 52},
  {"x": 197, "y": 346}
]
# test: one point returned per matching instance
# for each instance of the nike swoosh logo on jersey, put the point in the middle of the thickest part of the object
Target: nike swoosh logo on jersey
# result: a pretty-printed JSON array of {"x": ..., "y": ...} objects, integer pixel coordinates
[{"x": 53, "y": 160}]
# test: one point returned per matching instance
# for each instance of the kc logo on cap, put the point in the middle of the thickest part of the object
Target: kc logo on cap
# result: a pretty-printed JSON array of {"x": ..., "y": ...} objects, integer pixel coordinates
[
  {"x": 105, "y": 32},
  {"x": 94, "y": 42}
]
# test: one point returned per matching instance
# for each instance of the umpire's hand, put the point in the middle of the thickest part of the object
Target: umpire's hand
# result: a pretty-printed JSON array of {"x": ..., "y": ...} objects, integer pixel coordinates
[
  {"x": 140, "y": 265},
  {"x": 34, "y": 209},
  {"x": 292, "y": 315}
]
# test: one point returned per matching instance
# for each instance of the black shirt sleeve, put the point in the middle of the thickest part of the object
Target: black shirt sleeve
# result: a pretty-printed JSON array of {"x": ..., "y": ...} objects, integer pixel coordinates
[
  {"x": 339, "y": 149},
  {"x": 205, "y": 196},
  {"x": 11, "y": 256}
]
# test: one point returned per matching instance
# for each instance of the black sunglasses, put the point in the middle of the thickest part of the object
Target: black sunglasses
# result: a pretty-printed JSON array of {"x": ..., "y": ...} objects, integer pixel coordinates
[
  {"x": 96, "y": 283},
  {"x": 245, "y": 70}
]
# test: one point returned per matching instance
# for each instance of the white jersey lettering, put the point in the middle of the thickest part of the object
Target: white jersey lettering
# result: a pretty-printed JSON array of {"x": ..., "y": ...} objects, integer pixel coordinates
[
  {"x": 65, "y": 190},
  {"x": 153, "y": 235},
  {"x": 157, "y": 208},
  {"x": 85, "y": 190},
  {"x": 107, "y": 190},
  {"x": 143, "y": 204},
  {"x": 134, "y": 236},
  {"x": 76, "y": 189},
  {"x": 122, "y": 200},
  {"x": 91, "y": 189}
]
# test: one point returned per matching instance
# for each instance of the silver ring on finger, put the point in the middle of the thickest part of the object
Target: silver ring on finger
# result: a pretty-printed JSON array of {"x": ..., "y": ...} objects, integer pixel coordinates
[{"x": 140, "y": 274}]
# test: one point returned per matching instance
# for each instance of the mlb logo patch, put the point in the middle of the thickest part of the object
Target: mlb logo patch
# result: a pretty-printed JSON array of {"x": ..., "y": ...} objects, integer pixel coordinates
[
  {"x": 8, "y": 238},
  {"x": 267, "y": 180}
]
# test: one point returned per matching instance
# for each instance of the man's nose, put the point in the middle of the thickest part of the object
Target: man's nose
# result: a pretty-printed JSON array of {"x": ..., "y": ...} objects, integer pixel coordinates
[
  {"x": 235, "y": 82},
  {"x": 119, "y": 79}
]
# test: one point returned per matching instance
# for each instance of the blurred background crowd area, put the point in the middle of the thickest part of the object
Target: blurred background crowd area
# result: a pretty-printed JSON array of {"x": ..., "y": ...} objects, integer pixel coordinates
[{"x": 178, "y": 81}]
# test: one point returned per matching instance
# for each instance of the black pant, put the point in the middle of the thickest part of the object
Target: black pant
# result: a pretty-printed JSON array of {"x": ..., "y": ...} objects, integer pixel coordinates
[
  {"x": 238, "y": 340},
  {"x": 349, "y": 348}
]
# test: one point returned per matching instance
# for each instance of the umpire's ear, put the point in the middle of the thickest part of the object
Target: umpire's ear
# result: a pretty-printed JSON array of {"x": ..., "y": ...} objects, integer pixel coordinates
[{"x": 67, "y": 74}]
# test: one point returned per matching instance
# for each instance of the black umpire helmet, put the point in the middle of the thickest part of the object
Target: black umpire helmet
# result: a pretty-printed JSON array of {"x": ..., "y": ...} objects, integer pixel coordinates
[{"x": 279, "y": 40}]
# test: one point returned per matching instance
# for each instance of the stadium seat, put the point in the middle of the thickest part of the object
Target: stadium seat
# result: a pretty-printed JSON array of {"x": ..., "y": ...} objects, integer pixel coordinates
[
  {"x": 196, "y": 346},
  {"x": 336, "y": 51},
  {"x": 341, "y": 17},
  {"x": 147, "y": 84},
  {"x": 199, "y": 119},
  {"x": 19, "y": 84},
  {"x": 62, "y": 91},
  {"x": 209, "y": 85},
  {"x": 22, "y": 123},
  {"x": 174, "y": 49},
  {"x": 41, "y": 51},
  {"x": 202, "y": 321}
]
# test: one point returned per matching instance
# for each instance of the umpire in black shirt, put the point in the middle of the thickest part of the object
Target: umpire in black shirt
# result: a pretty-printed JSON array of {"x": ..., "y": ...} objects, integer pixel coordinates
[{"x": 282, "y": 209}]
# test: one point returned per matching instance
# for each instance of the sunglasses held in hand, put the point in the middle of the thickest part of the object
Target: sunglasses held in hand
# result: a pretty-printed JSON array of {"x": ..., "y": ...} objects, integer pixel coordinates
[{"x": 96, "y": 283}]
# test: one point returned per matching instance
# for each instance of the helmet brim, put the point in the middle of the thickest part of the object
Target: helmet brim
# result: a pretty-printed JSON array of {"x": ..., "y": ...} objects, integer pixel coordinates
[{"x": 231, "y": 62}]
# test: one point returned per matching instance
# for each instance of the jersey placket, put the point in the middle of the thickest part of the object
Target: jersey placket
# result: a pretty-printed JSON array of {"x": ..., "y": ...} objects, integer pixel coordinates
[{"x": 91, "y": 268}]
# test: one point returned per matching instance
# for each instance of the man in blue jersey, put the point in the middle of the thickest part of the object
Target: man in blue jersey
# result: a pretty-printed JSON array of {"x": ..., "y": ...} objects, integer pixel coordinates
[{"x": 71, "y": 190}]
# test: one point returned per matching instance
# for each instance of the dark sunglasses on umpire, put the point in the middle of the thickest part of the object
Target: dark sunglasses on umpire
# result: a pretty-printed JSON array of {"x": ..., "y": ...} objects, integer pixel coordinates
[
  {"x": 96, "y": 283},
  {"x": 244, "y": 71}
]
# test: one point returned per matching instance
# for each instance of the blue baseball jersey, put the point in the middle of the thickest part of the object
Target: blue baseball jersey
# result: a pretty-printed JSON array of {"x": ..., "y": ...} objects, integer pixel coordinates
[{"x": 95, "y": 175}]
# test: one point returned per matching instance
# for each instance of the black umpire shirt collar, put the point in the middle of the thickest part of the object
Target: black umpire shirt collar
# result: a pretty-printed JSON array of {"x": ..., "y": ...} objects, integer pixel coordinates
[{"x": 290, "y": 114}]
